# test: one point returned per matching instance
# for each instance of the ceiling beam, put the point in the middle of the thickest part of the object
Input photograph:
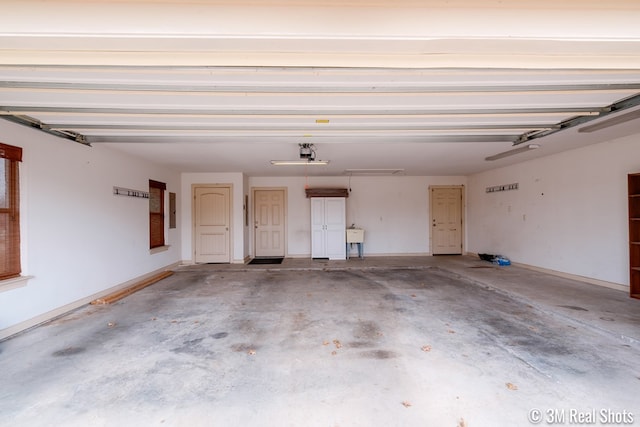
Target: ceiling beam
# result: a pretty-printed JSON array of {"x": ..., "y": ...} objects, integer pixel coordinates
[
  {"x": 332, "y": 127},
  {"x": 370, "y": 87},
  {"x": 22, "y": 109},
  {"x": 210, "y": 139}
]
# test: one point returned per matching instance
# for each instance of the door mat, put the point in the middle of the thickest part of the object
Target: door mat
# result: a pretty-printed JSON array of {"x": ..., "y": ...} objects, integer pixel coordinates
[{"x": 266, "y": 261}]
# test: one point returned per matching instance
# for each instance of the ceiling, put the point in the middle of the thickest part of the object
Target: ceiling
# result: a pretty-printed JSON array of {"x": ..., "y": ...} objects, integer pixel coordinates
[{"x": 384, "y": 96}]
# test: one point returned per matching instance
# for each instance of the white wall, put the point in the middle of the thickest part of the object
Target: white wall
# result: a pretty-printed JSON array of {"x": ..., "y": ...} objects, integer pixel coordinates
[
  {"x": 394, "y": 211},
  {"x": 569, "y": 214},
  {"x": 78, "y": 239},
  {"x": 238, "y": 229}
]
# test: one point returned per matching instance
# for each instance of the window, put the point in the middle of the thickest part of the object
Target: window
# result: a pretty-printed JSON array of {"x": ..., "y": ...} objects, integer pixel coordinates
[
  {"x": 9, "y": 211},
  {"x": 156, "y": 213}
]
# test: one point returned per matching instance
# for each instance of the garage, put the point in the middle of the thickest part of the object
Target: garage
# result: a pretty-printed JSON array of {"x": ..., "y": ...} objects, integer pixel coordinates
[{"x": 146, "y": 139}]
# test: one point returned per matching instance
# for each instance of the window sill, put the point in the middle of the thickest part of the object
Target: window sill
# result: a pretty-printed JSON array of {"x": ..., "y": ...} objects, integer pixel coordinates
[
  {"x": 16, "y": 282},
  {"x": 159, "y": 249}
]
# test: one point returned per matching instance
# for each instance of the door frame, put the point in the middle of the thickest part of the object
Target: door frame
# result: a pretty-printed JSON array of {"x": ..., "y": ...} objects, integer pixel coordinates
[
  {"x": 285, "y": 218},
  {"x": 463, "y": 209},
  {"x": 193, "y": 217}
]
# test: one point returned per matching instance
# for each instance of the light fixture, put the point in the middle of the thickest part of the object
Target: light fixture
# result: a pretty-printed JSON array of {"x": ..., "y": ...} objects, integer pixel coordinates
[
  {"x": 307, "y": 157},
  {"x": 519, "y": 150},
  {"x": 299, "y": 162}
]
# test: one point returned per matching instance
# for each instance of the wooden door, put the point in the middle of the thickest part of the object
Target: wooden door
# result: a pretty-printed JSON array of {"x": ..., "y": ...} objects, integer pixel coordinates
[
  {"x": 446, "y": 221},
  {"x": 269, "y": 223},
  {"x": 212, "y": 209}
]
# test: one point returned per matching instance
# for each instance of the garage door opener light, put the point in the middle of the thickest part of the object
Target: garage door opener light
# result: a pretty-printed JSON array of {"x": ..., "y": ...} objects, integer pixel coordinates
[{"x": 307, "y": 157}]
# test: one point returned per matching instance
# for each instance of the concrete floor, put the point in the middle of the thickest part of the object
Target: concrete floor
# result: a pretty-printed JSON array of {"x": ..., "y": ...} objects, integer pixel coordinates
[{"x": 408, "y": 341}]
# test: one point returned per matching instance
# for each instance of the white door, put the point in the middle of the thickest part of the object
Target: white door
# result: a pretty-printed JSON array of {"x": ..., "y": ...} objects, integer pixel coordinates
[
  {"x": 328, "y": 227},
  {"x": 212, "y": 210},
  {"x": 335, "y": 220},
  {"x": 318, "y": 239},
  {"x": 446, "y": 221},
  {"x": 268, "y": 214}
]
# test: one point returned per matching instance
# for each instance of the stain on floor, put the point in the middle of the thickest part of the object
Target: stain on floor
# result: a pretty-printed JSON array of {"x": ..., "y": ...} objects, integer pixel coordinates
[{"x": 261, "y": 348}]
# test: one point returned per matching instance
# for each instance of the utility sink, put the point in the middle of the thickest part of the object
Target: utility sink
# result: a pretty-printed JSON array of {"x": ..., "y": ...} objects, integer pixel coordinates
[{"x": 355, "y": 235}]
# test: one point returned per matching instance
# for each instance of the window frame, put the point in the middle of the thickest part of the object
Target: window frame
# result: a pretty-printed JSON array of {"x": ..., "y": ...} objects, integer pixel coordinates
[
  {"x": 156, "y": 214},
  {"x": 11, "y": 268}
]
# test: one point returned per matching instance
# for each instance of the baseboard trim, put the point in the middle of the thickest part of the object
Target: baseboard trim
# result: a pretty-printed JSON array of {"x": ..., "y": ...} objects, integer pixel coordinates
[
  {"x": 354, "y": 254},
  {"x": 576, "y": 277},
  {"x": 591, "y": 281},
  {"x": 368, "y": 255},
  {"x": 186, "y": 262},
  {"x": 60, "y": 311}
]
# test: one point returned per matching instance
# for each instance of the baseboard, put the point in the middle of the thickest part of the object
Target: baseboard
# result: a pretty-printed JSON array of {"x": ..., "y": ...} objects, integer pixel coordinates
[
  {"x": 578, "y": 278},
  {"x": 367, "y": 255},
  {"x": 60, "y": 311},
  {"x": 592, "y": 281},
  {"x": 408, "y": 254},
  {"x": 186, "y": 262}
]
